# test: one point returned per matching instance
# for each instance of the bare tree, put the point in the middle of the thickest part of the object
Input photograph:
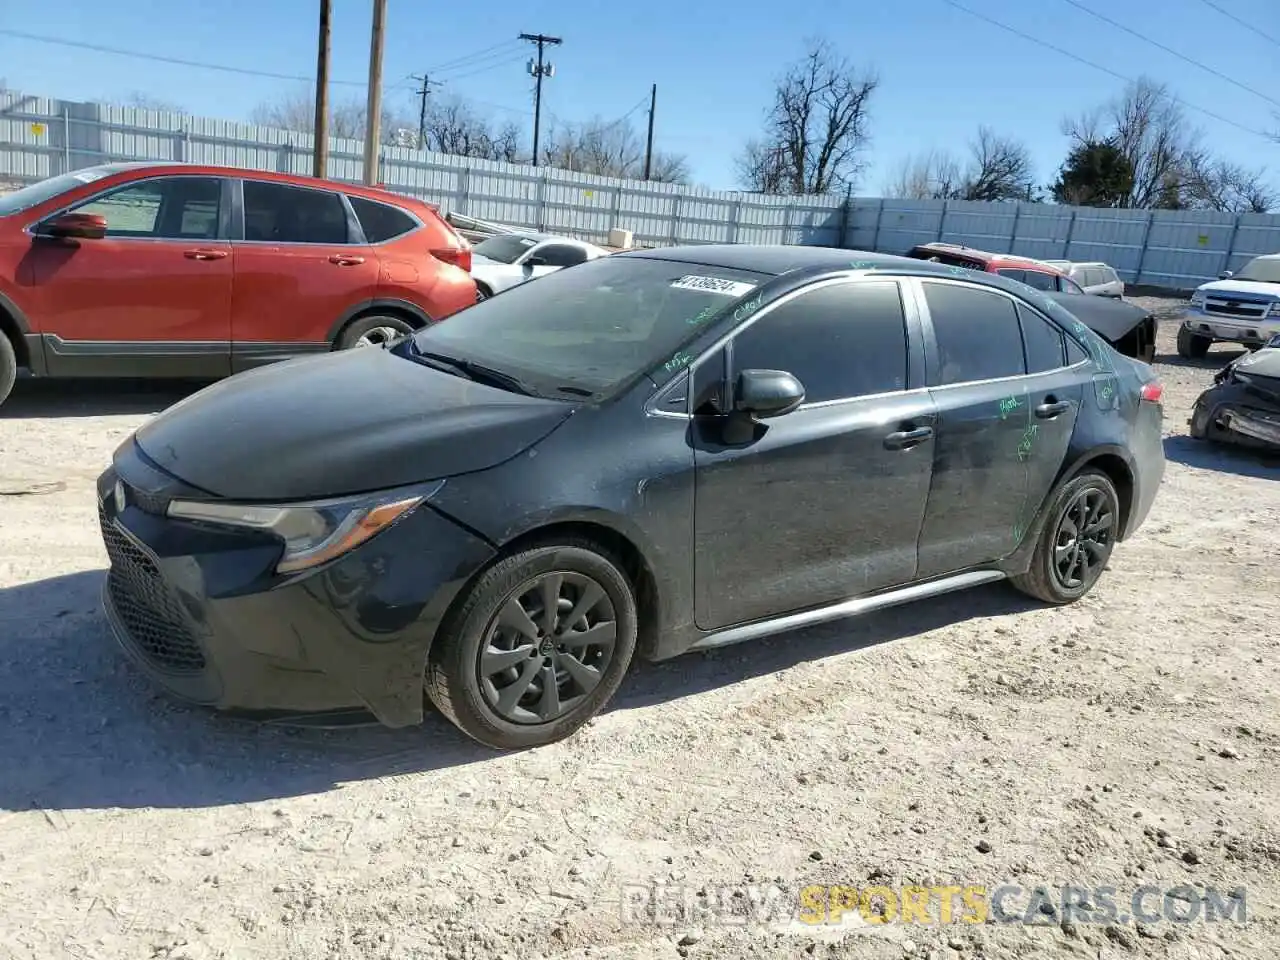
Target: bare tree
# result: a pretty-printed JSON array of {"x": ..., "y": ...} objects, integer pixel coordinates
[
  {"x": 297, "y": 112},
  {"x": 816, "y": 130},
  {"x": 453, "y": 126},
  {"x": 609, "y": 149},
  {"x": 997, "y": 168},
  {"x": 1228, "y": 188},
  {"x": 145, "y": 101},
  {"x": 1149, "y": 128}
]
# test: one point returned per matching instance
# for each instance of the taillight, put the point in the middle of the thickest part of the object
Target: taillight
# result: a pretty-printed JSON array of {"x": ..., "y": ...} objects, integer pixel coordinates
[
  {"x": 1153, "y": 391},
  {"x": 459, "y": 256}
]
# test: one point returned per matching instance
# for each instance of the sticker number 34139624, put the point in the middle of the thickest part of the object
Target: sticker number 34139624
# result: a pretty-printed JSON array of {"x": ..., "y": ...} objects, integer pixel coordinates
[{"x": 729, "y": 288}]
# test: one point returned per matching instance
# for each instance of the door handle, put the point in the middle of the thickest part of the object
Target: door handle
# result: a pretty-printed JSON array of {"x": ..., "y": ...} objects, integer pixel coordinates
[
  {"x": 903, "y": 439},
  {"x": 344, "y": 260},
  {"x": 205, "y": 254},
  {"x": 1051, "y": 408}
]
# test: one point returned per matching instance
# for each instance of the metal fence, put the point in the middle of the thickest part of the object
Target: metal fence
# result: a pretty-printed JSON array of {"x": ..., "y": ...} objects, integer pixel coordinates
[{"x": 40, "y": 137}]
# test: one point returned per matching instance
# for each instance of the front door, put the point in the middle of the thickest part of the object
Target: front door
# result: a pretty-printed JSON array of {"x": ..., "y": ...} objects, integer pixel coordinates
[
  {"x": 302, "y": 264},
  {"x": 997, "y": 428},
  {"x": 153, "y": 297},
  {"x": 826, "y": 502}
]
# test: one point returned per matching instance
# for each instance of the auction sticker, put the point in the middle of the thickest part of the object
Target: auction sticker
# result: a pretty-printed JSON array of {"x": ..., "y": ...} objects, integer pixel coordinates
[{"x": 729, "y": 288}]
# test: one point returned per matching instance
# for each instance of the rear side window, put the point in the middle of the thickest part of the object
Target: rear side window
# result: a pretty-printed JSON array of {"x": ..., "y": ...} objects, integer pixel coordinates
[
  {"x": 977, "y": 331},
  {"x": 1040, "y": 280},
  {"x": 841, "y": 341},
  {"x": 1019, "y": 275},
  {"x": 1075, "y": 352},
  {"x": 1042, "y": 342},
  {"x": 379, "y": 221},
  {"x": 1070, "y": 286},
  {"x": 561, "y": 254},
  {"x": 278, "y": 213}
]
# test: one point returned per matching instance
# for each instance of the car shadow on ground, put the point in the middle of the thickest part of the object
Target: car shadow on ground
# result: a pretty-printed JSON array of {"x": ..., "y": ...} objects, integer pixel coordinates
[
  {"x": 1215, "y": 360},
  {"x": 82, "y": 728},
  {"x": 1207, "y": 455},
  {"x": 34, "y": 397}
]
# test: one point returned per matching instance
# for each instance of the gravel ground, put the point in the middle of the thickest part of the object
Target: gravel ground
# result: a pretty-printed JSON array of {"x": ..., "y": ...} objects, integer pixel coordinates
[{"x": 1130, "y": 739}]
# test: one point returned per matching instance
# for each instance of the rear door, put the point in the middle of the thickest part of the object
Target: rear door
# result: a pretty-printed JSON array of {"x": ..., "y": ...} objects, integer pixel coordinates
[
  {"x": 826, "y": 502},
  {"x": 301, "y": 262},
  {"x": 153, "y": 297},
  {"x": 977, "y": 377}
]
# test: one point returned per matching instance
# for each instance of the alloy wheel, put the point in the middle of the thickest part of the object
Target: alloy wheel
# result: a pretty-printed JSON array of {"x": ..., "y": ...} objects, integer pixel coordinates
[
  {"x": 547, "y": 647},
  {"x": 1085, "y": 536},
  {"x": 378, "y": 337}
]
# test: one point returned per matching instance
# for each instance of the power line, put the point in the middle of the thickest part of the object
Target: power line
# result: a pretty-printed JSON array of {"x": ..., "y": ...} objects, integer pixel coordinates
[
  {"x": 486, "y": 69},
  {"x": 1097, "y": 66},
  {"x": 1248, "y": 26},
  {"x": 1169, "y": 50},
  {"x": 479, "y": 54}
]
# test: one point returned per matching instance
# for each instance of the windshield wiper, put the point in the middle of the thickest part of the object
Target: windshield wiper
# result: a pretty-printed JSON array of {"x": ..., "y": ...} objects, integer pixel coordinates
[{"x": 469, "y": 369}]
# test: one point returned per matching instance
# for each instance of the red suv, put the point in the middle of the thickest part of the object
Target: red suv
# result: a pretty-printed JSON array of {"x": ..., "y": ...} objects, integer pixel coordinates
[
  {"x": 176, "y": 270},
  {"x": 1034, "y": 273}
]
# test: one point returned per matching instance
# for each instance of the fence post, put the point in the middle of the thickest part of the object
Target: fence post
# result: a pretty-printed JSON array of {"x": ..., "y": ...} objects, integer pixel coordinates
[
  {"x": 675, "y": 219},
  {"x": 735, "y": 220},
  {"x": 843, "y": 244},
  {"x": 66, "y": 139},
  {"x": 616, "y": 214},
  {"x": 787, "y": 211},
  {"x": 1071, "y": 229},
  {"x": 1013, "y": 234},
  {"x": 1231, "y": 244},
  {"x": 541, "y": 200},
  {"x": 942, "y": 221},
  {"x": 1146, "y": 238},
  {"x": 464, "y": 188},
  {"x": 875, "y": 237}
]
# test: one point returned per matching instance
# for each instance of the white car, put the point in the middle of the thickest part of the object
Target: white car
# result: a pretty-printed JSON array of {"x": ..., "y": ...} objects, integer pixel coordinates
[
  {"x": 1096, "y": 278},
  {"x": 509, "y": 259},
  {"x": 1241, "y": 308}
]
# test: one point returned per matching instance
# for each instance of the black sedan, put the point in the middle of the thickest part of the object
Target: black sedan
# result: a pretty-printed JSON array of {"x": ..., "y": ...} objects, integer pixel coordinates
[{"x": 654, "y": 452}]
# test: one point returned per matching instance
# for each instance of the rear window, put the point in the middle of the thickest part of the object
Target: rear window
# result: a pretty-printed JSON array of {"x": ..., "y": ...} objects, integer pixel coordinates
[
  {"x": 379, "y": 221},
  {"x": 949, "y": 259}
]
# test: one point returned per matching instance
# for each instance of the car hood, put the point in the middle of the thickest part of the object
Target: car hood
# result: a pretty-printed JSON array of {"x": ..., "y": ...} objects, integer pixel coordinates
[
  {"x": 1250, "y": 289},
  {"x": 1109, "y": 318},
  {"x": 1260, "y": 363},
  {"x": 341, "y": 423}
]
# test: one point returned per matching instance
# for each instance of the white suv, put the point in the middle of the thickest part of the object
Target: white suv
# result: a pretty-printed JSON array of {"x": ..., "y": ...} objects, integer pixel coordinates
[
  {"x": 1241, "y": 308},
  {"x": 1096, "y": 278}
]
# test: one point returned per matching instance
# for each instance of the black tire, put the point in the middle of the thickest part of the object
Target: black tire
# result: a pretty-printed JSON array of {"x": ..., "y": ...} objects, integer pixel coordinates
[
  {"x": 373, "y": 331},
  {"x": 1193, "y": 346},
  {"x": 1045, "y": 579},
  {"x": 482, "y": 292},
  {"x": 8, "y": 367},
  {"x": 453, "y": 678}
]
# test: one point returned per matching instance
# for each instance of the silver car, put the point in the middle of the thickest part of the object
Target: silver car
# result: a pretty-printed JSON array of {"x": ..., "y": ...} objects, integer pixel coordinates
[
  {"x": 509, "y": 259},
  {"x": 1095, "y": 278}
]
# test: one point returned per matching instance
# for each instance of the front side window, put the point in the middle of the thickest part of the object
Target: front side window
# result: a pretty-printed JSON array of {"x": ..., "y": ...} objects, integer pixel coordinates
[
  {"x": 841, "y": 340},
  {"x": 590, "y": 330},
  {"x": 561, "y": 254},
  {"x": 171, "y": 208},
  {"x": 977, "y": 332},
  {"x": 278, "y": 213},
  {"x": 504, "y": 248},
  {"x": 379, "y": 221}
]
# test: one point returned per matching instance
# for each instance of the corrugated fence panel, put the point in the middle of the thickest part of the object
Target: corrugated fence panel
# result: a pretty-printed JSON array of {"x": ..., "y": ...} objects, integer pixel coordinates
[{"x": 40, "y": 137}]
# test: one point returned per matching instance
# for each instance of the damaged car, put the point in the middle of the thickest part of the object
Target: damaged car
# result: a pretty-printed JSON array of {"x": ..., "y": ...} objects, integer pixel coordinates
[
  {"x": 1243, "y": 405},
  {"x": 1129, "y": 328}
]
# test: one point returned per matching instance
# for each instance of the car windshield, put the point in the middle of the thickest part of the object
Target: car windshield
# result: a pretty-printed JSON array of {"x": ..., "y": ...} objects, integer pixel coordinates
[
  {"x": 504, "y": 248},
  {"x": 590, "y": 330},
  {"x": 1260, "y": 270},
  {"x": 38, "y": 193}
]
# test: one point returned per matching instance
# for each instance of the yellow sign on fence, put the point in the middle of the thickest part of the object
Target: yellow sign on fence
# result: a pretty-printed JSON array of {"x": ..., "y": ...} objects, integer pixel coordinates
[{"x": 38, "y": 129}]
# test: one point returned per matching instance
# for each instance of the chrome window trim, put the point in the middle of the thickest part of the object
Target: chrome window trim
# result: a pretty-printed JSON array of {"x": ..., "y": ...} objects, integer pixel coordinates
[
  {"x": 29, "y": 229},
  {"x": 335, "y": 191}
]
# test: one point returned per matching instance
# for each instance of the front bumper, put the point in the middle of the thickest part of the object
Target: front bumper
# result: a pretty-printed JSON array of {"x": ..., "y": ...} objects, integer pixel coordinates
[
  {"x": 1225, "y": 415},
  {"x": 201, "y": 610},
  {"x": 1252, "y": 332}
]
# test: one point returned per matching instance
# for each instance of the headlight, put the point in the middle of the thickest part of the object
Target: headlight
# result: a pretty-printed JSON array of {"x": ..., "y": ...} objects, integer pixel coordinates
[
  {"x": 1274, "y": 309},
  {"x": 1197, "y": 299},
  {"x": 312, "y": 533}
]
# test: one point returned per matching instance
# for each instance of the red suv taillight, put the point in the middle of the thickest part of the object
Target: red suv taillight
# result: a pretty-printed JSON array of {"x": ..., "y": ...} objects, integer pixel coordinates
[
  {"x": 1153, "y": 391},
  {"x": 459, "y": 256}
]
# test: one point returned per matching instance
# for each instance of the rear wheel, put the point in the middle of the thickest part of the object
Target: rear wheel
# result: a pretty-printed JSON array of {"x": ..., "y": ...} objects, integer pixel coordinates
[
  {"x": 1082, "y": 524},
  {"x": 374, "y": 331},
  {"x": 1192, "y": 346},
  {"x": 539, "y": 645},
  {"x": 482, "y": 292},
  {"x": 8, "y": 367}
]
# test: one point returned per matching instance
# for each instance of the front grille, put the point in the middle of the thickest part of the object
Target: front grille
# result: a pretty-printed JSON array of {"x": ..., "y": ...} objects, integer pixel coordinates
[
  {"x": 146, "y": 606},
  {"x": 1236, "y": 308}
]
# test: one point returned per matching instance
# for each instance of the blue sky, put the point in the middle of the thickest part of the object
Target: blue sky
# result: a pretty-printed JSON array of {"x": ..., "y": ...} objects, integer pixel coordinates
[{"x": 943, "y": 71}]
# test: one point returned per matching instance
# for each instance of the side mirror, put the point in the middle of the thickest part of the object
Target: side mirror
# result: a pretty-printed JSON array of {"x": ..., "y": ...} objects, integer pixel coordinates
[
  {"x": 1226, "y": 275},
  {"x": 78, "y": 226},
  {"x": 762, "y": 394},
  {"x": 536, "y": 261}
]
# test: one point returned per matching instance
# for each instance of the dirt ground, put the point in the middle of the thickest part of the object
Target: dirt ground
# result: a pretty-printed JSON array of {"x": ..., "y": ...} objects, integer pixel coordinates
[{"x": 1129, "y": 740}]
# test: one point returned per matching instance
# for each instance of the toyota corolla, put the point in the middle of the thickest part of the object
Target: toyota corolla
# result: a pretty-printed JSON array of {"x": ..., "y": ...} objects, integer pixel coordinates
[{"x": 652, "y": 453}]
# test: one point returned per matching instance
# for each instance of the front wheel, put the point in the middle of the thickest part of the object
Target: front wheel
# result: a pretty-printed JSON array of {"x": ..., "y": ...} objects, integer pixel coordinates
[
  {"x": 375, "y": 331},
  {"x": 539, "y": 645},
  {"x": 1192, "y": 346},
  {"x": 1082, "y": 524}
]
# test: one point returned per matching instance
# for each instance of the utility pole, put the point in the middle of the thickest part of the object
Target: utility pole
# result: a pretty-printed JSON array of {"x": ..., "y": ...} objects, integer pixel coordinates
[
  {"x": 320, "y": 152},
  {"x": 539, "y": 71},
  {"x": 423, "y": 92},
  {"x": 648, "y": 146},
  {"x": 373, "y": 112}
]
